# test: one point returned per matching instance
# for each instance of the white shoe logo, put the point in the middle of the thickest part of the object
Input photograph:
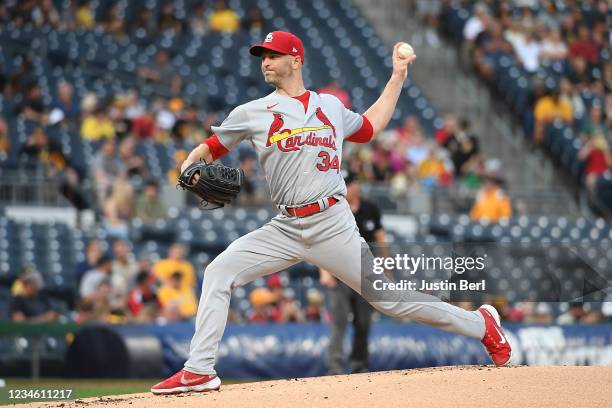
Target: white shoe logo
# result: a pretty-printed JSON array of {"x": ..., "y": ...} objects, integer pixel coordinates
[
  {"x": 503, "y": 338},
  {"x": 187, "y": 382}
]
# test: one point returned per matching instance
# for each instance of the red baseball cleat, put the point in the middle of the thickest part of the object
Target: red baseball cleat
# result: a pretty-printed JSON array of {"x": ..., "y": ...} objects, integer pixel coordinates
[
  {"x": 184, "y": 381},
  {"x": 495, "y": 340}
]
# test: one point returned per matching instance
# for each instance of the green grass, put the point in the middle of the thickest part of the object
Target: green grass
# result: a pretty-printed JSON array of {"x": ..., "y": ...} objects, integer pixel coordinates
[{"x": 81, "y": 388}]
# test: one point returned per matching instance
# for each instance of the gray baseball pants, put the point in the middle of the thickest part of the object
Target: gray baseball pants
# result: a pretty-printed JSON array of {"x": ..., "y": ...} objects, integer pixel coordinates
[{"x": 330, "y": 240}]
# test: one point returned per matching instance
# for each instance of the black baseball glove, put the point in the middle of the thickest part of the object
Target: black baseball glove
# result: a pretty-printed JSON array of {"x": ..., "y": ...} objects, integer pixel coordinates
[{"x": 217, "y": 185}]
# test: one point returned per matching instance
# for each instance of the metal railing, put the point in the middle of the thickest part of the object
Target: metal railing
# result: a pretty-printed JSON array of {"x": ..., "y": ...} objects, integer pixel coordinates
[{"x": 30, "y": 187}]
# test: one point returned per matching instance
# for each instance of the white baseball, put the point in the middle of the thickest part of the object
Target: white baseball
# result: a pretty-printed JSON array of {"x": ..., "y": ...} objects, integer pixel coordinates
[{"x": 405, "y": 50}]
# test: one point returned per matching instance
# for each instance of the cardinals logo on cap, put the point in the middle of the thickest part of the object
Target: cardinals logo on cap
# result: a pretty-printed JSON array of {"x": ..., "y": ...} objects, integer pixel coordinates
[{"x": 269, "y": 37}]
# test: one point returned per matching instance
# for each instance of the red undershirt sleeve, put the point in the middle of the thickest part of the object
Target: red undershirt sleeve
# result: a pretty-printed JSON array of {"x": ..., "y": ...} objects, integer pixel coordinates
[
  {"x": 364, "y": 134},
  {"x": 217, "y": 150}
]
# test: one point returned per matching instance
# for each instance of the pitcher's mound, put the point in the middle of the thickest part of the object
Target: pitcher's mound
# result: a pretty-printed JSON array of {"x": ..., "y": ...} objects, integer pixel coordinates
[{"x": 469, "y": 386}]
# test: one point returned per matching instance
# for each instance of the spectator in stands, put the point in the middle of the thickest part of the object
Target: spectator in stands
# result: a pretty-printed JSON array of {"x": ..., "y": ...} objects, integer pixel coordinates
[
  {"x": 85, "y": 18},
  {"x": 584, "y": 46},
  {"x": 569, "y": 30},
  {"x": 528, "y": 52},
  {"x": 93, "y": 287},
  {"x": 579, "y": 72},
  {"x": 314, "y": 310},
  {"x": 133, "y": 165},
  {"x": 477, "y": 23},
  {"x": 571, "y": 93},
  {"x": 223, "y": 18},
  {"x": 462, "y": 146},
  {"x": 490, "y": 44},
  {"x": 262, "y": 300},
  {"x": 113, "y": 22},
  {"x": 167, "y": 20},
  {"x": 45, "y": 13},
  {"x": 473, "y": 172},
  {"x": 161, "y": 70},
  {"x": 574, "y": 314},
  {"x": 177, "y": 300},
  {"x": 285, "y": 309},
  {"x": 165, "y": 118},
  {"x": 143, "y": 125},
  {"x": 118, "y": 209},
  {"x": 417, "y": 149},
  {"x": 597, "y": 157},
  {"x": 93, "y": 253},
  {"x": 187, "y": 127},
  {"x": 149, "y": 205},
  {"x": 97, "y": 125},
  {"x": 105, "y": 169},
  {"x": 254, "y": 21},
  {"x": 5, "y": 140},
  {"x": 530, "y": 313},
  {"x": 65, "y": 110},
  {"x": 448, "y": 129},
  {"x": 553, "y": 47},
  {"x": 410, "y": 127},
  {"x": 381, "y": 166},
  {"x": 98, "y": 307},
  {"x": 198, "y": 23},
  {"x": 176, "y": 262},
  {"x": 144, "y": 24},
  {"x": 549, "y": 108},
  {"x": 142, "y": 299},
  {"x": 124, "y": 267},
  {"x": 594, "y": 124},
  {"x": 21, "y": 79},
  {"x": 607, "y": 76},
  {"x": 33, "y": 108},
  {"x": 33, "y": 305},
  {"x": 334, "y": 88},
  {"x": 432, "y": 170},
  {"x": 492, "y": 204}
]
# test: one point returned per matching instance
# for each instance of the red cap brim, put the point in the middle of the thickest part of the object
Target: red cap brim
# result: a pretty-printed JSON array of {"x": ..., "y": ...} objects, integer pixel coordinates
[{"x": 258, "y": 49}]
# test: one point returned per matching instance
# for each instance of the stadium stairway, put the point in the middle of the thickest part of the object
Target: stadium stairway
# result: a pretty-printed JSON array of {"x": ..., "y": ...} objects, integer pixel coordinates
[{"x": 452, "y": 90}]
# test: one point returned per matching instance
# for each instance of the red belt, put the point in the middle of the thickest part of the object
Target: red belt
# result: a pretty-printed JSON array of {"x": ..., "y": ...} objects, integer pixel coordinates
[{"x": 310, "y": 209}]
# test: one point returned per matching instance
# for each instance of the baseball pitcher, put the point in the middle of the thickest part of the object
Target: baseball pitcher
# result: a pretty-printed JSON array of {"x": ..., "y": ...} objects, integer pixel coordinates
[{"x": 298, "y": 136}]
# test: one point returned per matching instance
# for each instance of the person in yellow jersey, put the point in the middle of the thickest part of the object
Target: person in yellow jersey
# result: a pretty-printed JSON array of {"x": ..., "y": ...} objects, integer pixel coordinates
[
  {"x": 223, "y": 18},
  {"x": 175, "y": 262},
  {"x": 177, "y": 300}
]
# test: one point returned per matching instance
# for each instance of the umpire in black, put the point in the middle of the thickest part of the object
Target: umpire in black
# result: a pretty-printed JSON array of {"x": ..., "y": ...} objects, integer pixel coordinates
[{"x": 344, "y": 300}]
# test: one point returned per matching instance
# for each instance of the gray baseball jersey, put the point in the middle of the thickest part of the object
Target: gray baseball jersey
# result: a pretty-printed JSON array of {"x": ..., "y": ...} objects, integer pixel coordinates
[{"x": 300, "y": 153}]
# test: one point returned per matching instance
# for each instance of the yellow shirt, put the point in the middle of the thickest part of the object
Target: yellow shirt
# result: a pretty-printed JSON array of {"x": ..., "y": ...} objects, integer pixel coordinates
[
  {"x": 184, "y": 297},
  {"x": 85, "y": 18},
  {"x": 492, "y": 205},
  {"x": 93, "y": 129},
  {"x": 164, "y": 269},
  {"x": 225, "y": 20},
  {"x": 546, "y": 109},
  {"x": 430, "y": 168}
]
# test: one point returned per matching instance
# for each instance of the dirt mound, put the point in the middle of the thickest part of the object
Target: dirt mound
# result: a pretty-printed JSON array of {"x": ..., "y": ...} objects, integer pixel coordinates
[{"x": 469, "y": 386}]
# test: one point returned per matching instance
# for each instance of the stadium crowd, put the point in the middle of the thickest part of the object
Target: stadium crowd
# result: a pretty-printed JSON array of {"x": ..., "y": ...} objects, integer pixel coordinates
[
  {"x": 569, "y": 38},
  {"x": 117, "y": 287}
]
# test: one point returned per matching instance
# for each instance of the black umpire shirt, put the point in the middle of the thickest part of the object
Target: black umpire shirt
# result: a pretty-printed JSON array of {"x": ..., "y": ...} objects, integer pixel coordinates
[{"x": 368, "y": 220}]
